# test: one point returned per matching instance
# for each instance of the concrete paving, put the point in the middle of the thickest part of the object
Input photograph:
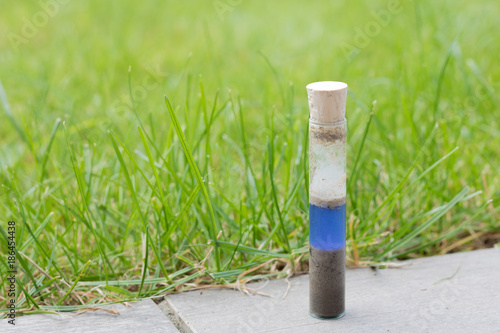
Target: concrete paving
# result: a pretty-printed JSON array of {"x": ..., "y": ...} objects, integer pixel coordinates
[
  {"x": 452, "y": 293},
  {"x": 144, "y": 316}
]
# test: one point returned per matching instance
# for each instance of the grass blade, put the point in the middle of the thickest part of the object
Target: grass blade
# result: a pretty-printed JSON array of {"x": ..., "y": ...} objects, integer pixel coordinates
[
  {"x": 74, "y": 283},
  {"x": 196, "y": 172}
]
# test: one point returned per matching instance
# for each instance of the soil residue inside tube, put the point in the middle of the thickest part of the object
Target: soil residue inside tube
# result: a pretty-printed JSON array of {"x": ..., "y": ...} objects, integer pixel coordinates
[{"x": 327, "y": 283}]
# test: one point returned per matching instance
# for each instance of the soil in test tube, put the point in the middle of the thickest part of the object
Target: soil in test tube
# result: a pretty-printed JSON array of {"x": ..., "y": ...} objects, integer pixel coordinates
[
  {"x": 327, "y": 234},
  {"x": 327, "y": 283}
]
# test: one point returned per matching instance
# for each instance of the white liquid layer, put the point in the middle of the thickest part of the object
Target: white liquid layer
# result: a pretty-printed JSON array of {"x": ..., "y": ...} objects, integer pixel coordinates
[{"x": 328, "y": 183}]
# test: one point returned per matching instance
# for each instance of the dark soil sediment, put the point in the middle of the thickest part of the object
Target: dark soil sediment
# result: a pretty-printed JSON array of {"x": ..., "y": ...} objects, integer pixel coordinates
[
  {"x": 329, "y": 203},
  {"x": 327, "y": 283},
  {"x": 327, "y": 133}
]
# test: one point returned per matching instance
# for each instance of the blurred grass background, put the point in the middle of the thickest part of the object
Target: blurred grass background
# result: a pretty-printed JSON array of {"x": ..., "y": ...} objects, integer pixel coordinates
[{"x": 86, "y": 176}]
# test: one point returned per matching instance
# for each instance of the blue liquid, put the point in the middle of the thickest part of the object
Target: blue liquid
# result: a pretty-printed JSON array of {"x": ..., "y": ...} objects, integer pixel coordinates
[{"x": 327, "y": 227}]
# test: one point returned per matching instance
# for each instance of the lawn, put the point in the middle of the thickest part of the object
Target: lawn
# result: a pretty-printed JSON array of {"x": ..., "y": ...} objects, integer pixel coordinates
[{"x": 153, "y": 146}]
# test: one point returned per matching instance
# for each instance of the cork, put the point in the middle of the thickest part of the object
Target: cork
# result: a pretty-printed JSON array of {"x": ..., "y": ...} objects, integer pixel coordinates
[{"x": 327, "y": 100}]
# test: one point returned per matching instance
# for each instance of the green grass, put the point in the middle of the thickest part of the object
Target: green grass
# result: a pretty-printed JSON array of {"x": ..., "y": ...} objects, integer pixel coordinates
[{"x": 190, "y": 168}]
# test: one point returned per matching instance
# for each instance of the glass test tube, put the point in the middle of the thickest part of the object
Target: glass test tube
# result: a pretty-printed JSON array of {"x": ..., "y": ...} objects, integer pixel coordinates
[{"x": 327, "y": 198}]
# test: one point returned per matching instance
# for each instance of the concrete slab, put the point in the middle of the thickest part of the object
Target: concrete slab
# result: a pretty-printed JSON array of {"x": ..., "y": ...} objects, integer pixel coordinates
[
  {"x": 452, "y": 293},
  {"x": 144, "y": 316}
]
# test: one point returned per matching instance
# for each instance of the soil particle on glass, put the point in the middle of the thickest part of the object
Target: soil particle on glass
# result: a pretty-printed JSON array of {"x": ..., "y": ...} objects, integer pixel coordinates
[{"x": 327, "y": 134}]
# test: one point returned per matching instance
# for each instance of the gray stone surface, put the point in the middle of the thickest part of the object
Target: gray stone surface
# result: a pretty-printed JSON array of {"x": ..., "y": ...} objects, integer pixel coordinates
[
  {"x": 452, "y": 293},
  {"x": 144, "y": 316}
]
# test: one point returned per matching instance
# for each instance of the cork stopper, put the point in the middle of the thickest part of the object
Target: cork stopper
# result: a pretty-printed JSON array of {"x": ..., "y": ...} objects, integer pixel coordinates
[{"x": 327, "y": 101}]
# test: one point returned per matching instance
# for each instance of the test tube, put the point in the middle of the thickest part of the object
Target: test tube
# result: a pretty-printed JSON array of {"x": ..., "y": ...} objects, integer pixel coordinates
[{"x": 327, "y": 198}]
